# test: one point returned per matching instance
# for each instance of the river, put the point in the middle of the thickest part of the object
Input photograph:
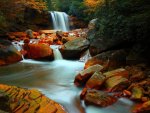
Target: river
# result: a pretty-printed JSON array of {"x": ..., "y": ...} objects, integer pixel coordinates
[{"x": 55, "y": 80}]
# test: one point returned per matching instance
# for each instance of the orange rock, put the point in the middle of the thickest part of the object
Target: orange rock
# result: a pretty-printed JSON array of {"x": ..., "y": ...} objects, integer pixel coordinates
[
  {"x": 117, "y": 72},
  {"x": 17, "y": 34},
  {"x": 84, "y": 75},
  {"x": 22, "y": 100},
  {"x": 96, "y": 81},
  {"x": 37, "y": 51}
]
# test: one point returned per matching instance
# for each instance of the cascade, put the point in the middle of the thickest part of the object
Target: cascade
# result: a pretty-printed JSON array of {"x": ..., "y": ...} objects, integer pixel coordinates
[
  {"x": 56, "y": 52},
  {"x": 85, "y": 56},
  {"x": 60, "y": 20},
  {"x": 18, "y": 46}
]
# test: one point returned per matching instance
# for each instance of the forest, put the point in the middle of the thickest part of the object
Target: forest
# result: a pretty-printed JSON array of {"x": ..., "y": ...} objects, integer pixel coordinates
[{"x": 116, "y": 18}]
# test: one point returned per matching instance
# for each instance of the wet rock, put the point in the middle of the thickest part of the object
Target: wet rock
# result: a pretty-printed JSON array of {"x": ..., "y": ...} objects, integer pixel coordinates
[
  {"x": 137, "y": 93},
  {"x": 110, "y": 59},
  {"x": 116, "y": 83},
  {"x": 31, "y": 101},
  {"x": 84, "y": 75},
  {"x": 120, "y": 76},
  {"x": 74, "y": 48},
  {"x": 96, "y": 81},
  {"x": 37, "y": 51},
  {"x": 117, "y": 72},
  {"x": 98, "y": 98},
  {"x": 140, "y": 89},
  {"x": 8, "y": 53}
]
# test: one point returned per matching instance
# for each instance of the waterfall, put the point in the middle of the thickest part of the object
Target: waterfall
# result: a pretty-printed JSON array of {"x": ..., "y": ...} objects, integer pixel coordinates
[
  {"x": 60, "y": 20},
  {"x": 56, "y": 52},
  {"x": 18, "y": 46},
  {"x": 86, "y": 55}
]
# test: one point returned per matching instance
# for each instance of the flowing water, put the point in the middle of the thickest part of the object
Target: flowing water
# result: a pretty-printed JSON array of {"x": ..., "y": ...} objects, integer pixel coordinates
[
  {"x": 55, "y": 80},
  {"x": 60, "y": 20},
  {"x": 56, "y": 52}
]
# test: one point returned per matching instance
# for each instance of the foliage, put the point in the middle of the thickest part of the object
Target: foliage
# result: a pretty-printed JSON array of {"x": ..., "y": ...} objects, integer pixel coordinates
[
  {"x": 126, "y": 19},
  {"x": 13, "y": 10},
  {"x": 72, "y": 7}
]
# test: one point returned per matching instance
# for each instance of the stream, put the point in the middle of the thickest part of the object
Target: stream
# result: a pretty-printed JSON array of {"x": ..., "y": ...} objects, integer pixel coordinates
[{"x": 55, "y": 80}]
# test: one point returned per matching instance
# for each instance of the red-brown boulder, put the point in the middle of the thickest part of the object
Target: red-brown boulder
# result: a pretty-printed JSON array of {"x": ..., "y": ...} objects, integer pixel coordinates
[
  {"x": 84, "y": 75},
  {"x": 37, "y": 51},
  {"x": 98, "y": 98}
]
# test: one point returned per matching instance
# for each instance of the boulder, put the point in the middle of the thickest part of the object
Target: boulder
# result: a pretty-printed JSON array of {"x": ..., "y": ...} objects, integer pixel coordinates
[
  {"x": 99, "y": 45},
  {"x": 77, "y": 44},
  {"x": 110, "y": 59},
  {"x": 37, "y": 51},
  {"x": 98, "y": 98},
  {"x": 96, "y": 81},
  {"x": 116, "y": 83},
  {"x": 74, "y": 48},
  {"x": 8, "y": 53},
  {"x": 117, "y": 72},
  {"x": 84, "y": 75},
  {"x": 120, "y": 76}
]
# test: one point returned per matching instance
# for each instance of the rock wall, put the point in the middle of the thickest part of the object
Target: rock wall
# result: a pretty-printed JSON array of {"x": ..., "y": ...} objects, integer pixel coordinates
[{"x": 137, "y": 49}]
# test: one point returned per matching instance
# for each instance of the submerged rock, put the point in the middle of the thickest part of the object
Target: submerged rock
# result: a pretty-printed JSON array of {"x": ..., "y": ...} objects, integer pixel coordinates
[{"x": 8, "y": 53}]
